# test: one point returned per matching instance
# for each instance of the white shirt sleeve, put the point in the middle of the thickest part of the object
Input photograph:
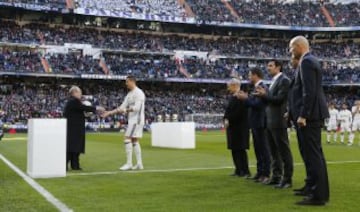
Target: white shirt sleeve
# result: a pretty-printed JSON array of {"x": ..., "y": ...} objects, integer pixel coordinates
[{"x": 124, "y": 104}]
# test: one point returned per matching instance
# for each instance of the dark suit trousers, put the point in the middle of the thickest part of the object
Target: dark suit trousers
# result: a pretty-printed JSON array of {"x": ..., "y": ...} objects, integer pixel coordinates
[
  {"x": 73, "y": 159},
  {"x": 308, "y": 181},
  {"x": 262, "y": 151},
  {"x": 241, "y": 162},
  {"x": 312, "y": 152},
  {"x": 282, "y": 160}
]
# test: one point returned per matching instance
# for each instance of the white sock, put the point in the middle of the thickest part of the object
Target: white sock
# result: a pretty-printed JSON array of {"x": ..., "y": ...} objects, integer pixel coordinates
[
  {"x": 351, "y": 138},
  {"x": 328, "y": 136},
  {"x": 342, "y": 138},
  {"x": 335, "y": 137},
  {"x": 128, "y": 151},
  {"x": 137, "y": 151}
]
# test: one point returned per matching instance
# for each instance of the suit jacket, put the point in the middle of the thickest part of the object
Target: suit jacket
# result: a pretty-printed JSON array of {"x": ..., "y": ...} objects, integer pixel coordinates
[
  {"x": 257, "y": 117},
  {"x": 307, "y": 98},
  {"x": 74, "y": 113},
  {"x": 238, "y": 131},
  {"x": 276, "y": 100}
]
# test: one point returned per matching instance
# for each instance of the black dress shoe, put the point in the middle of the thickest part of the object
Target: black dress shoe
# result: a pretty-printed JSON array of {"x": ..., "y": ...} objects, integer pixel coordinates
[
  {"x": 77, "y": 169},
  {"x": 247, "y": 176},
  {"x": 300, "y": 189},
  {"x": 283, "y": 185},
  {"x": 302, "y": 193},
  {"x": 312, "y": 202},
  {"x": 273, "y": 181},
  {"x": 256, "y": 177}
]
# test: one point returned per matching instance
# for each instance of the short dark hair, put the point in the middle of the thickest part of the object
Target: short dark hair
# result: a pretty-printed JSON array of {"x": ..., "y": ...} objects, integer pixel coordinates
[
  {"x": 131, "y": 78},
  {"x": 277, "y": 63},
  {"x": 257, "y": 72}
]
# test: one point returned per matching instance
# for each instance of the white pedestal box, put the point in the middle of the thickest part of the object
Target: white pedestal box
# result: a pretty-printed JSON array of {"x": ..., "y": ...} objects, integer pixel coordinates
[
  {"x": 46, "y": 153},
  {"x": 179, "y": 135}
]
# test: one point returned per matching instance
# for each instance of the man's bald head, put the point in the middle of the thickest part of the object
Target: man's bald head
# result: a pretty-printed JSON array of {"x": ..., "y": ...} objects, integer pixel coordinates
[{"x": 298, "y": 46}]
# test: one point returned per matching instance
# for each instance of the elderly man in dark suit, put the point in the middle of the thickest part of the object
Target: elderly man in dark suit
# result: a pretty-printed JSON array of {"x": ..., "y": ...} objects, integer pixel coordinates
[
  {"x": 74, "y": 113},
  {"x": 237, "y": 130},
  {"x": 257, "y": 121},
  {"x": 276, "y": 99},
  {"x": 308, "y": 109}
]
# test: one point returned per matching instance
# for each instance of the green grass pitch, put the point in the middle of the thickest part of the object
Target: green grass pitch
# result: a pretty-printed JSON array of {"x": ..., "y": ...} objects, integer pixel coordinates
[{"x": 160, "y": 188}]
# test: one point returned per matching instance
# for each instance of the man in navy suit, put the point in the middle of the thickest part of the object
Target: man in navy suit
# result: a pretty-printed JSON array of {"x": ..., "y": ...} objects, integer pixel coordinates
[
  {"x": 308, "y": 109},
  {"x": 257, "y": 122}
]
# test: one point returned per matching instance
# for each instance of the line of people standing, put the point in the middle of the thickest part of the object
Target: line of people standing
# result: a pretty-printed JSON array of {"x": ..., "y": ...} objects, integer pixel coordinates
[{"x": 266, "y": 112}]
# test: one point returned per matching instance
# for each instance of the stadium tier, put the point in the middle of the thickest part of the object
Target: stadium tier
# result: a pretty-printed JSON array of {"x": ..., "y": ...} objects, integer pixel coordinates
[
  {"x": 69, "y": 45},
  {"x": 278, "y": 12}
]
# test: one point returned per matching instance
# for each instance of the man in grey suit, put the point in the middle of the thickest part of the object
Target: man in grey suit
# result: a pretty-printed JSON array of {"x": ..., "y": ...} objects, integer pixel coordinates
[{"x": 276, "y": 126}]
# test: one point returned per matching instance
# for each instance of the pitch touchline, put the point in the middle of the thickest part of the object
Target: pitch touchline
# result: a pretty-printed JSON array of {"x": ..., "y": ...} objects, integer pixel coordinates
[
  {"x": 182, "y": 169},
  {"x": 15, "y": 139},
  {"x": 37, "y": 187}
]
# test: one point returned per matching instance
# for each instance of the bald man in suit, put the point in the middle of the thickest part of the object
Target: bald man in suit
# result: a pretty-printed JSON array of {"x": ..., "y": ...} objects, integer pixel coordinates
[{"x": 308, "y": 109}]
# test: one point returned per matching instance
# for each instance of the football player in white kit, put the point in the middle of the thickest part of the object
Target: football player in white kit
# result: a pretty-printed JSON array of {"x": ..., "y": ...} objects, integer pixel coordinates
[
  {"x": 356, "y": 121},
  {"x": 345, "y": 118},
  {"x": 332, "y": 122},
  {"x": 134, "y": 106}
]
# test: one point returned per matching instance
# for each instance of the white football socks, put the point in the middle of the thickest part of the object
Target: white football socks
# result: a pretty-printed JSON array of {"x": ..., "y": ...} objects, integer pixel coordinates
[
  {"x": 351, "y": 138},
  {"x": 342, "y": 138},
  {"x": 128, "y": 151},
  {"x": 137, "y": 151}
]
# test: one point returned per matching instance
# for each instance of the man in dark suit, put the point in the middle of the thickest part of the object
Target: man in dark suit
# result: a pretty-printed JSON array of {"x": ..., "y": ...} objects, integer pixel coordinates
[
  {"x": 237, "y": 130},
  {"x": 257, "y": 121},
  {"x": 276, "y": 99},
  {"x": 308, "y": 109},
  {"x": 74, "y": 113}
]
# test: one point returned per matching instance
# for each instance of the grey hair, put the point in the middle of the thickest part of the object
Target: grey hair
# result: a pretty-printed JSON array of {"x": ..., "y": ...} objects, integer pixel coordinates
[
  {"x": 234, "y": 81},
  {"x": 74, "y": 89}
]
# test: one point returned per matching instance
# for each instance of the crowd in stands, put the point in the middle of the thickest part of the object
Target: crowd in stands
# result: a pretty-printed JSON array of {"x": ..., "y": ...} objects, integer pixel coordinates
[
  {"x": 276, "y": 12},
  {"x": 38, "y": 34},
  {"x": 22, "y": 101},
  {"x": 298, "y": 13},
  {"x": 147, "y": 66}
]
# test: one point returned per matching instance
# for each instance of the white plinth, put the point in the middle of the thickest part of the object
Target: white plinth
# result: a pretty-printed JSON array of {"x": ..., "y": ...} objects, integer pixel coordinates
[
  {"x": 173, "y": 135},
  {"x": 46, "y": 153}
]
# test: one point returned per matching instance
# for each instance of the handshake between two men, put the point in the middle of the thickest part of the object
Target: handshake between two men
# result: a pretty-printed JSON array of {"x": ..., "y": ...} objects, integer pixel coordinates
[{"x": 103, "y": 113}]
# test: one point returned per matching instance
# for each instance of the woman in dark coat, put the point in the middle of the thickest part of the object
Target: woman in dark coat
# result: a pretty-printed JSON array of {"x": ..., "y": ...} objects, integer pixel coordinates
[
  {"x": 74, "y": 113},
  {"x": 237, "y": 130}
]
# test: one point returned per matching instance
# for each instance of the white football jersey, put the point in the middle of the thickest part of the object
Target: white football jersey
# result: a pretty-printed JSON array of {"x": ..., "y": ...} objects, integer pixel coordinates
[
  {"x": 345, "y": 116},
  {"x": 135, "y": 100},
  {"x": 357, "y": 114},
  {"x": 334, "y": 113}
]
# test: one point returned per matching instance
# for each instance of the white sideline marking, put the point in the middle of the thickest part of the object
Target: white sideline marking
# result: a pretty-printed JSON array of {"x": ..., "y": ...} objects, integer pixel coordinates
[
  {"x": 36, "y": 186},
  {"x": 184, "y": 169},
  {"x": 14, "y": 139}
]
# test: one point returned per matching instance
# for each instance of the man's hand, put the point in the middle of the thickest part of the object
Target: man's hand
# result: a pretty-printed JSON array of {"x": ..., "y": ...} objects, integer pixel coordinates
[
  {"x": 226, "y": 123},
  {"x": 286, "y": 115},
  {"x": 260, "y": 91},
  {"x": 106, "y": 114},
  {"x": 100, "y": 109},
  {"x": 241, "y": 95},
  {"x": 301, "y": 122}
]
